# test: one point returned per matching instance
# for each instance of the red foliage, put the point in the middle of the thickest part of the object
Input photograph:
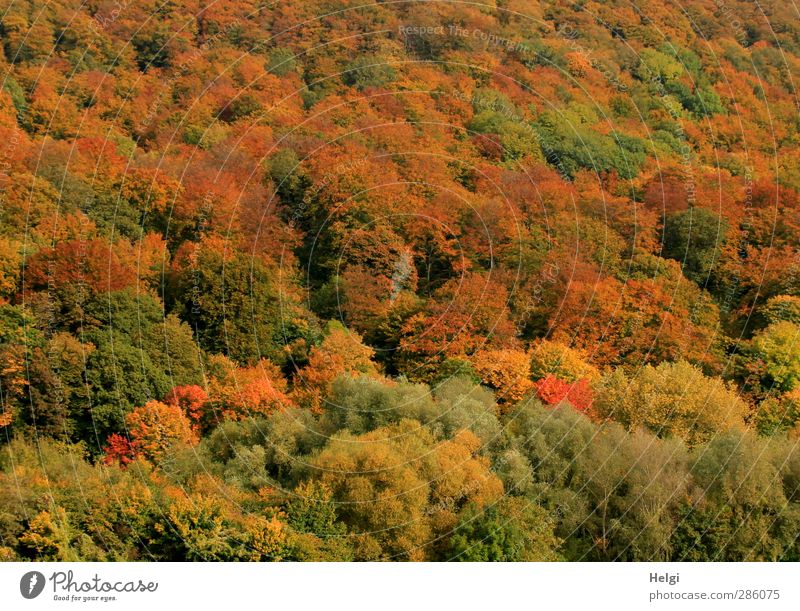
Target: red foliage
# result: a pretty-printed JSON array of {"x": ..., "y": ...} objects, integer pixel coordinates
[
  {"x": 552, "y": 391},
  {"x": 94, "y": 264},
  {"x": 119, "y": 450},
  {"x": 193, "y": 401}
]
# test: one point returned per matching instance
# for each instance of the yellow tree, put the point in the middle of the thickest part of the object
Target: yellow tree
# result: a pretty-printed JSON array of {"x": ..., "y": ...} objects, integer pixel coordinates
[
  {"x": 506, "y": 371},
  {"x": 672, "y": 399}
]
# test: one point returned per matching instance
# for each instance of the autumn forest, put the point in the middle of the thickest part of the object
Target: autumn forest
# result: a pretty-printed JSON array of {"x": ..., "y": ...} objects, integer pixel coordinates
[{"x": 411, "y": 280}]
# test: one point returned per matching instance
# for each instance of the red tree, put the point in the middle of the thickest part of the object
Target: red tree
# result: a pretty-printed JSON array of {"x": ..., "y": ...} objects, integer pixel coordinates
[{"x": 552, "y": 391}]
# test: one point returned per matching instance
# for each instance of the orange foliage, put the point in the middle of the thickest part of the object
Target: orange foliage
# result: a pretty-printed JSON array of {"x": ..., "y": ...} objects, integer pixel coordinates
[
  {"x": 94, "y": 264},
  {"x": 193, "y": 402},
  {"x": 119, "y": 450},
  {"x": 340, "y": 352},
  {"x": 506, "y": 371},
  {"x": 155, "y": 426},
  {"x": 241, "y": 392},
  {"x": 465, "y": 315}
]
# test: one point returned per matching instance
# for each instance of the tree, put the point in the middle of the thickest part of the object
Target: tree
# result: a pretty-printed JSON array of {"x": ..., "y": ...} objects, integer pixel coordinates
[
  {"x": 368, "y": 72},
  {"x": 616, "y": 493},
  {"x": 243, "y": 392},
  {"x": 132, "y": 354},
  {"x": 464, "y": 316},
  {"x": 194, "y": 403},
  {"x": 655, "y": 65},
  {"x": 740, "y": 512},
  {"x": 45, "y": 518},
  {"x": 397, "y": 490},
  {"x": 570, "y": 146},
  {"x": 10, "y": 263},
  {"x": 554, "y": 358},
  {"x": 119, "y": 450},
  {"x": 73, "y": 274},
  {"x": 552, "y": 391},
  {"x": 512, "y": 530},
  {"x": 154, "y": 426},
  {"x": 695, "y": 238},
  {"x": 236, "y": 306},
  {"x": 781, "y": 307},
  {"x": 655, "y": 315},
  {"x": 311, "y": 510},
  {"x": 672, "y": 399},
  {"x": 778, "y": 413},
  {"x": 18, "y": 338},
  {"x": 340, "y": 352},
  {"x": 776, "y": 351},
  {"x": 505, "y": 371}
]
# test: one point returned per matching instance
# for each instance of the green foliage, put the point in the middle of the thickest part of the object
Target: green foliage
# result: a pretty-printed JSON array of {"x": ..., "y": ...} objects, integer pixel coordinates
[
  {"x": 368, "y": 71},
  {"x": 242, "y": 106},
  {"x": 655, "y": 65},
  {"x": 516, "y": 136},
  {"x": 571, "y": 146},
  {"x": 695, "y": 238},
  {"x": 454, "y": 367},
  {"x": 152, "y": 48},
  {"x": 778, "y": 350},
  {"x": 753, "y": 520},
  {"x": 281, "y": 61},
  {"x": 17, "y": 97},
  {"x": 236, "y": 308},
  {"x": 24, "y": 41},
  {"x": 204, "y": 136},
  {"x": 782, "y": 308},
  {"x": 311, "y": 510},
  {"x": 513, "y": 530},
  {"x": 778, "y": 413},
  {"x": 615, "y": 493},
  {"x": 291, "y": 184}
]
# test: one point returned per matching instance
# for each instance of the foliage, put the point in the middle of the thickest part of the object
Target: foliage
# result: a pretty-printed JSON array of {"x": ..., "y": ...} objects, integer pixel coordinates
[
  {"x": 695, "y": 237},
  {"x": 154, "y": 427},
  {"x": 552, "y": 391},
  {"x": 778, "y": 350},
  {"x": 672, "y": 399},
  {"x": 368, "y": 72},
  {"x": 505, "y": 371},
  {"x": 553, "y": 358},
  {"x": 512, "y": 530},
  {"x": 274, "y": 289}
]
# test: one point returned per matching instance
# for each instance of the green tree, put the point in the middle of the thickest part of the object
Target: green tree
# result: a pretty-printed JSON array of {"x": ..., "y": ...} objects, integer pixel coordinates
[
  {"x": 777, "y": 350},
  {"x": 236, "y": 307},
  {"x": 695, "y": 238},
  {"x": 368, "y": 71},
  {"x": 512, "y": 530},
  {"x": 738, "y": 494}
]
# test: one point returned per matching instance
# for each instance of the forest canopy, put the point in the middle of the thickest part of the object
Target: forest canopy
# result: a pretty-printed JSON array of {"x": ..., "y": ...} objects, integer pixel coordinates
[{"x": 336, "y": 281}]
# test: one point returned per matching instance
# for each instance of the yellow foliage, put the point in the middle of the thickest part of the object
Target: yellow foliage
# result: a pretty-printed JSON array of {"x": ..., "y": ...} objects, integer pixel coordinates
[
  {"x": 154, "y": 426},
  {"x": 556, "y": 359},
  {"x": 672, "y": 399},
  {"x": 506, "y": 371}
]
